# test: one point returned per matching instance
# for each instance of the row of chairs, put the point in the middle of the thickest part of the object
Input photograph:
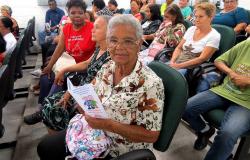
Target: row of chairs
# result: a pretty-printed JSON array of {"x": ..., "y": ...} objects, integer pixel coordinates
[{"x": 12, "y": 65}]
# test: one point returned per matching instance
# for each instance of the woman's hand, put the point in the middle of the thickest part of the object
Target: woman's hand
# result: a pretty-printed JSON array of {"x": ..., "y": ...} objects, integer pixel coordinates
[
  {"x": 98, "y": 123},
  {"x": 174, "y": 65},
  {"x": 59, "y": 79},
  {"x": 47, "y": 70},
  {"x": 239, "y": 80},
  {"x": 64, "y": 100}
]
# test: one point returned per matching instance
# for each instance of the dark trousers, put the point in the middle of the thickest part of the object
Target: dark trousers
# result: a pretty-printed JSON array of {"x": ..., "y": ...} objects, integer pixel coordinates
[{"x": 53, "y": 147}]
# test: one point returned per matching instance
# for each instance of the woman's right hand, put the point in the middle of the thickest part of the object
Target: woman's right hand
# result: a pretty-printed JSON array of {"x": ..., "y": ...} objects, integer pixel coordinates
[
  {"x": 64, "y": 100},
  {"x": 47, "y": 70},
  {"x": 59, "y": 78}
]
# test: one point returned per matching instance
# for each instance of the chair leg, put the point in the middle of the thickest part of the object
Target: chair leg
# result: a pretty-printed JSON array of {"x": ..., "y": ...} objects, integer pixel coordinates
[{"x": 243, "y": 150}]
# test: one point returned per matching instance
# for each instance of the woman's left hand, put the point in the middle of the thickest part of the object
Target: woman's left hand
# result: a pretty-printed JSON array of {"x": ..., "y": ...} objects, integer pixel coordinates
[
  {"x": 175, "y": 65},
  {"x": 98, "y": 123}
]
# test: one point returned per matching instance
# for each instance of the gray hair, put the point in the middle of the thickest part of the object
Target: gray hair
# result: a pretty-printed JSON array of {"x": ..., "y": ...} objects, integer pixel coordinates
[
  {"x": 106, "y": 18},
  {"x": 126, "y": 19}
]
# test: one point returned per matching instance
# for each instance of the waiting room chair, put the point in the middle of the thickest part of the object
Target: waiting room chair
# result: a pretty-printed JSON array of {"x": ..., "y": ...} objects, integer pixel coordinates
[{"x": 176, "y": 94}]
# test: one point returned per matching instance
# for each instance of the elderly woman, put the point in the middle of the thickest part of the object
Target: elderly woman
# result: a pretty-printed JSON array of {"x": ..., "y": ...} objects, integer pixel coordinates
[
  {"x": 169, "y": 34},
  {"x": 199, "y": 42},
  {"x": 5, "y": 30},
  {"x": 90, "y": 67},
  {"x": 232, "y": 16},
  {"x": 7, "y": 12},
  {"x": 75, "y": 40},
  {"x": 131, "y": 93}
]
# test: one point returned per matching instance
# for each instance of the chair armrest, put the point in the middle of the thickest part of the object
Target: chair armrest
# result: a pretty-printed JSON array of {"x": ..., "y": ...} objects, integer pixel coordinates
[
  {"x": 140, "y": 154},
  {"x": 165, "y": 52}
]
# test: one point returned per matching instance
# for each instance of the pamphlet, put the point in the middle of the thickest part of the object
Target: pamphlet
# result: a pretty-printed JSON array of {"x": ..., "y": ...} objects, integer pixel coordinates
[{"x": 88, "y": 100}]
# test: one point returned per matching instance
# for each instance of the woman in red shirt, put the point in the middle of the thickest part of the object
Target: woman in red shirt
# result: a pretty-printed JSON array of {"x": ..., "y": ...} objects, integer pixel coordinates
[{"x": 75, "y": 39}]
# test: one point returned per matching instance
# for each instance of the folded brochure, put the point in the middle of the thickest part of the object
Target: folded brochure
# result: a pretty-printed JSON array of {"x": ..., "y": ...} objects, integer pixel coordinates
[{"x": 87, "y": 99}]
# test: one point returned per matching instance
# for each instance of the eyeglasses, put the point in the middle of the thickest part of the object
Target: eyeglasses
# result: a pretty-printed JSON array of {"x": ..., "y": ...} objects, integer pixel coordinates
[{"x": 126, "y": 43}]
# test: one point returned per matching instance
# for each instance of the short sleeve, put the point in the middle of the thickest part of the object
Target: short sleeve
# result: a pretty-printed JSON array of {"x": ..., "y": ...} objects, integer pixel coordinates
[
  {"x": 150, "y": 109},
  {"x": 189, "y": 33},
  {"x": 214, "y": 39},
  {"x": 229, "y": 56},
  {"x": 241, "y": 16}
]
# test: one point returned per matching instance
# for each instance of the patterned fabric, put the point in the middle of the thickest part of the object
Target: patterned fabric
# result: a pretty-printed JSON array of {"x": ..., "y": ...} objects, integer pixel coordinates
[
  {"x": 136, "y": 100},
  {"x": 85, "y": 143},
  {"x": 170, "y": 34},
  {"x": 105, "y": 11},
  {"x": 55, "y": 117}
]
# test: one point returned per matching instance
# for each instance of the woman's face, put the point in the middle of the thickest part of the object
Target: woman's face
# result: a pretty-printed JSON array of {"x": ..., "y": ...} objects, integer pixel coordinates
[
  {"x": 148, "y": 13},
  {"x": 201, "y": 18},
  {"x": 123, "y": 45},
  {"x": 183, "y": 3},
  {"x": 169, "y": 17},
  {"x": 134, "y": 6},
  {"x": 230, "y": 5},
  {"x": 99, "y": 30},
  {"x": 4, "y": 13},
  {"x": 77, "y": 16},
  {"x": 111, "y": 7}
]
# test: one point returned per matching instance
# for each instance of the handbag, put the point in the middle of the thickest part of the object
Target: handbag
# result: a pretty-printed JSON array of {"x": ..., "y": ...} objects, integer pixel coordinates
[
  {"x": 84, "y": 142},
  {"x": 64, "y": 61}
]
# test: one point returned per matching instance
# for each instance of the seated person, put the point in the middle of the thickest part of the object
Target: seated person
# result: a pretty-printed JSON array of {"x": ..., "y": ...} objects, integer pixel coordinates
[
  {"x": 132, "y": 123},
  {"x": 152, "y": 21},
  {"x": 2, "y": 49},
  {"x": 232, "y": 16},
  {"x": 144, "y": 4},
  {"x": 90, "y": 16},
  {"x": 89, "y": 67},
  {"x": 199, "y": 42},
  {"x": 135, "y": 6},
  {"x": 185, "y": 9},
  {"x": 112, "y": 6},
  {"x": 80, "y": 48},
  {"x": 52, "y": 19},
  {"x": 5, "y": 30},
  {"x": 165, "y": 5},
  {"x": 99, "y": 8},
  {"x": 234, "y": 95},
  {"x": 169, "y": 34},
  {"x": 7, "y": 12}
]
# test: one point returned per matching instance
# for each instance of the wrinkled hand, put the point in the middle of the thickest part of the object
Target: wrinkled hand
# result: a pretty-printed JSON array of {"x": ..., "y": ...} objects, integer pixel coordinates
[
  {"x": 239, "y": 80},
  {"x": 64, "y": 100},
  {"x": 98, "y": 123},
  {"x": 248, "y": 29},
  {"x": 59, "y": 79}
]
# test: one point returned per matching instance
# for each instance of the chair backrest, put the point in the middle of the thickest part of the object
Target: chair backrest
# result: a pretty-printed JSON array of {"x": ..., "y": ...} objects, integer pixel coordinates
[
  {"x": 187, "y": 23},
  {"x": 227, "y": 41},
  {"x": 176, "y": 94},
  {"x": 3, "y": 84}
]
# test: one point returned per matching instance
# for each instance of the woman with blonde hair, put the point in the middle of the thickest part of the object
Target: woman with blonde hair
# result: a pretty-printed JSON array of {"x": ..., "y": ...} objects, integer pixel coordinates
[{"x": 199, "y": 42}]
